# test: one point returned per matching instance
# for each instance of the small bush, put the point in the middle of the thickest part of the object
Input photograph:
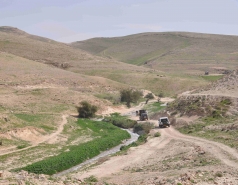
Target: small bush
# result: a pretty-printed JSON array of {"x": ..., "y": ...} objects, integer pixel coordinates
[
  {"x": 161, "y": 94},
  {"x": 157, "y": 134},
  {"x": 226, "y": 102},
  {"x": 143, "y": 128},
  {"x": 86, "y": 110},
  {"x": 142, "y": 139},
  {"x": 91, "y": 179},
  {"x": 21, "y": 146},
  {"x": 218, "y": 174},
  {"x": 149, "y": 96}
]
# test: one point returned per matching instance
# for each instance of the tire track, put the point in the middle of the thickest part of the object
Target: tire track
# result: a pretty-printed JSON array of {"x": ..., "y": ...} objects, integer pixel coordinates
[{"x": 225, "y": 154}]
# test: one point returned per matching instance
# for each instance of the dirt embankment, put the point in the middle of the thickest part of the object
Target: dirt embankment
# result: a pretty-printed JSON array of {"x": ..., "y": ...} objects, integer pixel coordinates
[{"x": 31, "y": 134}]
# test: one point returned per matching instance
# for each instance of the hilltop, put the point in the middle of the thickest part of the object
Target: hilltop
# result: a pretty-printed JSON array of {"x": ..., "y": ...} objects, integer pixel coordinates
[{"x": 191, "y": 53}]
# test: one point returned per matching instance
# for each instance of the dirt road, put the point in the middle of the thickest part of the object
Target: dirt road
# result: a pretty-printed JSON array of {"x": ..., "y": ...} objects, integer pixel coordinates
[{"x": 148, "y": 161}]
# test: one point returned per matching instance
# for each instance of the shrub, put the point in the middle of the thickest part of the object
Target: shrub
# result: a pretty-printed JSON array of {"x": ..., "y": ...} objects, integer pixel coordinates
[
  {"x": 218, "y": 174},
  {"x": 161, "y": 95},
  {"x": 86, "y": 110},
  {"x": 141, "y": 140},
  {"x": 120, "y": 121},
  {"x": 143, "y": 128},
  {"x": 157, "y": 134},
  {"x": 149, "y": 96},
  {"x": 91, "y": 179},
  {"x": 130, "y": 96}
]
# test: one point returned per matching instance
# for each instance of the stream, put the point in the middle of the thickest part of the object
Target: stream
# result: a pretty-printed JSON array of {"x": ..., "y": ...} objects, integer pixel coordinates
[{"x": 133, "y": 138}]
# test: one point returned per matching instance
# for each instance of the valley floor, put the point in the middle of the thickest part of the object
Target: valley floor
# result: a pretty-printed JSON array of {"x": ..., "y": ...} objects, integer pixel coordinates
[{"x": 172, "y": 158}]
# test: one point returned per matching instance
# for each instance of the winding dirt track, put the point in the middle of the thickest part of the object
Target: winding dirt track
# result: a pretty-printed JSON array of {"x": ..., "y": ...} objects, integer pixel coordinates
[
  {"x": 220, "y": 151},
  {"x": 42, "y": 140},
  {"x": 117, "y": 164}
]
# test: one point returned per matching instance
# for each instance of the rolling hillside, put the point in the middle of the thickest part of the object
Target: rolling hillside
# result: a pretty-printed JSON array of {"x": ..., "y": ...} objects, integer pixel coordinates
[
  {"x": 192, "y": 53},
  {"x": 39, "y": 49},
  {"x": 42, "y": 81},
  {"x": 60, "y": 55}
]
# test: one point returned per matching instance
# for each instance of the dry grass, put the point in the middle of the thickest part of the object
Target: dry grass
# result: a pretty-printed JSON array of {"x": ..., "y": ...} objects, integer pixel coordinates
[{"x": 184, "y": 52}]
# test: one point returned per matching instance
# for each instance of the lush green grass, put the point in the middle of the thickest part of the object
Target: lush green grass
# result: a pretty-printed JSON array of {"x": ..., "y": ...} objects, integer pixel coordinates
[
  {"x": 212, "y": 78},
  {"x": 31, "y": 118},
  {"x": 37, "y": 120},
  {"x": 107, "y": 135},
  {"x": 222, "y": 129}
]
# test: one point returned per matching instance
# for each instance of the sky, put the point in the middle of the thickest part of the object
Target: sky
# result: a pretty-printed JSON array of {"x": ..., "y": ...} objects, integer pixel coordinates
[{"x": 74, "y": 20}]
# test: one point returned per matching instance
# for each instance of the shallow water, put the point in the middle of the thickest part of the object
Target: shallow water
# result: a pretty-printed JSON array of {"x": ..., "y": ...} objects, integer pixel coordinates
[{"x": 133, "y": 138}]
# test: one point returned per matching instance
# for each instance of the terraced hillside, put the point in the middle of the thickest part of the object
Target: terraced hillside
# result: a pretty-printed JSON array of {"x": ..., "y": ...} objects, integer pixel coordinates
[{"x": 171, "y": 51}]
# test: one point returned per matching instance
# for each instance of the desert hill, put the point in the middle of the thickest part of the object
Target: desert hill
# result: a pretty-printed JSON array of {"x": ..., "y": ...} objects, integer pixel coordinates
[
  {"x": 60, "y": 55},
  {"x": 169, "y": 51},
  {"x": 19, "y": 43}
]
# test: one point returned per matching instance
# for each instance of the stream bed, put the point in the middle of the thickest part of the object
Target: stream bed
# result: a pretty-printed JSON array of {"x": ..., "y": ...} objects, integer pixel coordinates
[{"x": 133, "y": 138}]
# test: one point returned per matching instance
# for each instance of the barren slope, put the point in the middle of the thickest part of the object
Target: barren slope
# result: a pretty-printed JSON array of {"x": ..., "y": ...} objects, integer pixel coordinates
[
  {"x": 47, "y": 51},
  {"x": 63, "y": 56},
  {"x": 170, "y": 51}
]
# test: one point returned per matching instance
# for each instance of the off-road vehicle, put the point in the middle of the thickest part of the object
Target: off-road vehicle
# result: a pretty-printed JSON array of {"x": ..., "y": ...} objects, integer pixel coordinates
[{"x": 164, "y": 122}]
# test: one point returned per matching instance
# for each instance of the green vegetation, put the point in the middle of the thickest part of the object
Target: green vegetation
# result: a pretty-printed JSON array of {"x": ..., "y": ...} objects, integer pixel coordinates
[
  {"x": 149, "y": 96},
  {"x": 130, "y": 96},
  {"x": 86, "y": 110},
  {"x": 22, "y": 146},
  {"x": 91, "y": 179},
  {"x": 31, "y": 118},
  {"x": 107, "y": 135},
  {"x": 157, "y": 134},
  {"x": 141, "y": 140},
  {"x": 37, "y": 120},
  {"x": 201, "y": 106},
  {"x": 120, "y": 121},
  {"x": 143, "y": 128},
  {"x": 212, "y": 78}
]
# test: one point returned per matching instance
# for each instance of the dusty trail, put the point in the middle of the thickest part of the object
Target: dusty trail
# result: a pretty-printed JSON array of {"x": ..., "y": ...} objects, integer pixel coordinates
[
  {"x": 118, "y": 163},
  {"x": 220, "y": 151},
  {"x": 42, "y": 140},
  {"x": 135, "y": 156}
]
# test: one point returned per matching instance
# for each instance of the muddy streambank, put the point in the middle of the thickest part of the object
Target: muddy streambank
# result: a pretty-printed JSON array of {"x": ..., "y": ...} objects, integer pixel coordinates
[{"x": 133, "y": 138}]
